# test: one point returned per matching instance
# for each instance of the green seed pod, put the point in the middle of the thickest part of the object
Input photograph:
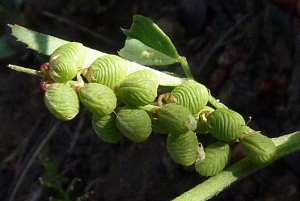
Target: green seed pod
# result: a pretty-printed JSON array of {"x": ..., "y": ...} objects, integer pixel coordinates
[
  {"x": 158, "y": 127},
  {"x": 106, "y": 128},
  {"x": 226, "y": 125},
  {"x": 135, "y": 124},
  {"x": 109, "y": 70},
  {"x": 217, "y": 156},
  {"x": 138, "y": 90},
  {"x": 183, "y": 149},
  {"x": 98, "y": 98},
  {"x": 144, "y": 73},
  {"x": 192, "y": 95},
  {"x": 66, "y": 61},
  {"x": 258, "y": 148},
  {"x": 177, "y": 119},
  {"x": 62, "y": 101}
]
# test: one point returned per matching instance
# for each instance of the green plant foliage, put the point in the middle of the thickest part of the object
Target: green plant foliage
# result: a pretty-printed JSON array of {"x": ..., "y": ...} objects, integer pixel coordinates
[
  {"x": 147, "y": 44},
  {"x": 46, "y": 44},
  {"x": 52, "y": 180},
  {"x": 136, "y": 116}
]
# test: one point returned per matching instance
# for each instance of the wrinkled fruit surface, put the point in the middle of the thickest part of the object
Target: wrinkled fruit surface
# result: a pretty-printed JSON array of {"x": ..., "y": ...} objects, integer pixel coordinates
[{"x": 62, "y": 101}]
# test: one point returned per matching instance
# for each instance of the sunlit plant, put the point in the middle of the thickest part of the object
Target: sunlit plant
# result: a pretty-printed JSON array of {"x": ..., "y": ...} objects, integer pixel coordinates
[{"x": 122, "y": 94}]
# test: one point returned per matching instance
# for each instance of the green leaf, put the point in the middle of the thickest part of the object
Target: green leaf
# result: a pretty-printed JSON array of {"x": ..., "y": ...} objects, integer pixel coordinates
[
  {"x": 147, "y": 44},
  {"x": 139, "y": 52},
  {"x": 46, "y": 44}
]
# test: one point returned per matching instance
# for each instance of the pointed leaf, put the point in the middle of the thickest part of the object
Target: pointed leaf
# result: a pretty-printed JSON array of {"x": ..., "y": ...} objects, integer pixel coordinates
[
  {"x": 137, "y": 51},
  {"x": 46, "y": 44},
  {"x": 148, "y": 37}
]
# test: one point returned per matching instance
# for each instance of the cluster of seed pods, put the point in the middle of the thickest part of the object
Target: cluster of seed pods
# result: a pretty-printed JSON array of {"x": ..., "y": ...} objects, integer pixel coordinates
[{"x": 120, "y": 105}]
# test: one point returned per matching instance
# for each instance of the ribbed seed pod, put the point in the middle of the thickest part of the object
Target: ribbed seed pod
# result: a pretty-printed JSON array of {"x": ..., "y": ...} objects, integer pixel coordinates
[
  {"x": 136, "y": 90},
  {"x": 106, "y": 128},
  {"x": 62, "y": 101},
  {"x": 258, "y": 148},
  {"x": 217, "y": 156},
  {"x": 144, "y": 73},
  {"x": 109, "y": 70},
  {"x": 192, "y": 95},
  {"x": 135, "y": 124},
  {"x": 66, "y": 61},
  {"x": 226, "y": 125},
  {"x": 176, "y": 119},
  {"x": 98, "y": 98},
  {"x": 183, "y": 149}
]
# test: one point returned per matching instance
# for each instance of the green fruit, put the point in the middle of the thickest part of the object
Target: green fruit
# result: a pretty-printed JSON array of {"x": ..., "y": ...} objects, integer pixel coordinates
[
  {"x": 176, "y": 119},
  {"x": 98, "y": 98},
  {"x": 135, "y": 124},
  {"x": 258, "y": 148},
  {"x": 62, "y": 101},
  {"x": 217, "y": 156},
  {"x": 158, "y": 127},
  {"x": 106, "y": 128},
  {"x": 66, "y": 61},
  {"x": 109, "y": 70},
  {"x": 137, "y": 89},
  {"x": 183, "y": 149},
  {"x": 192, "y": 95},
  {"x": 226, "y": 125},
  {"x": 144, "y": 73}
]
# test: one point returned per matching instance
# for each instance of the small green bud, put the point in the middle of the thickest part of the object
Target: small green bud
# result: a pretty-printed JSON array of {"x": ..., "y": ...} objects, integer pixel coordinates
[
  {"x": 109, "y": 70},
  {"x": 226, "y": 125},
  {"x": 98, "y": 98},
  {"x": 258, "y": 148},
  {"x": 217, "y": 156},
  {"x": 135, "y": 124},
  {"x": 106, "y": 128},
  {"x": 183, "y": 149},
  {"x": 192, "y": 95},
  {"x": 176, "y": 119},
  {"x": 62, "y": 101}
]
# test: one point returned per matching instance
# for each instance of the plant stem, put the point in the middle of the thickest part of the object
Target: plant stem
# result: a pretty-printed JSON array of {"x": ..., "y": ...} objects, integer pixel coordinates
[
  {"x": 286, "y": 145},
  {"x": 26, "y": 70},
  {"x": 215, "y": 102},
  {"x": 185, "y": 67}
]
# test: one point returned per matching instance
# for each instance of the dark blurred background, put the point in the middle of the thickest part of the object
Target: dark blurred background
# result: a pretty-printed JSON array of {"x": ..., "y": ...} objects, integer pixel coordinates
[{"x": 246, "y": 52}]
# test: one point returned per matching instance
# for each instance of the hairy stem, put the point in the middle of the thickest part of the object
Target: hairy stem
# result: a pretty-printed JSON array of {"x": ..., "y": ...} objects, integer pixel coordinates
[
  {"x": 186, "y": 67},
  {"x": 26, "y": 70},
  {"x": 215, "y": 102},
  {"x": 286, "y": 145}
]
